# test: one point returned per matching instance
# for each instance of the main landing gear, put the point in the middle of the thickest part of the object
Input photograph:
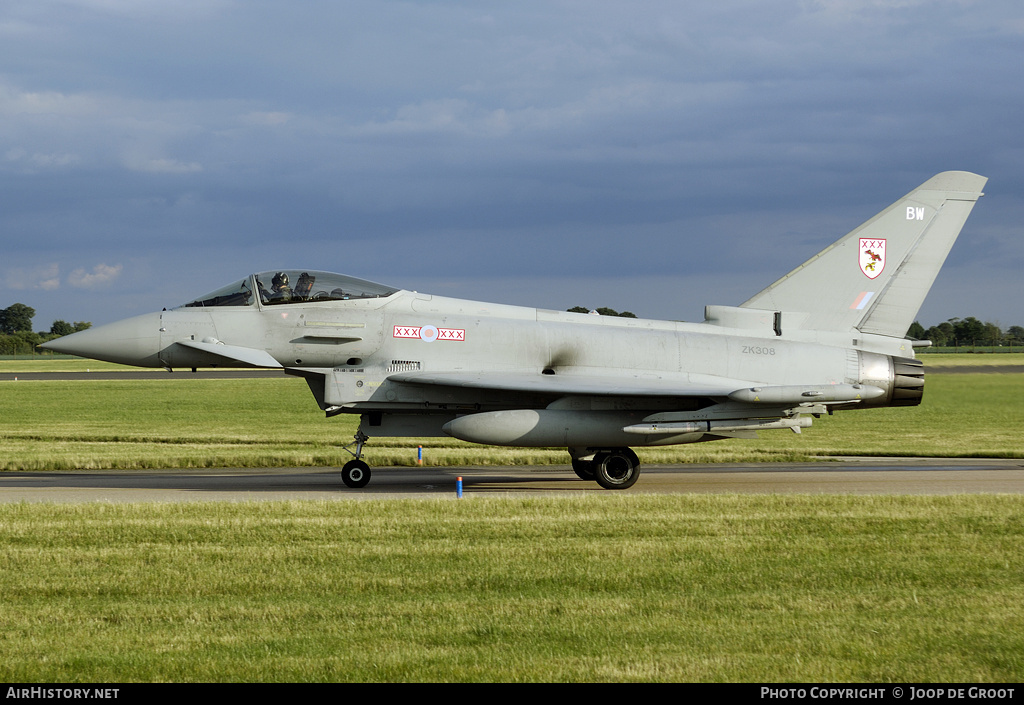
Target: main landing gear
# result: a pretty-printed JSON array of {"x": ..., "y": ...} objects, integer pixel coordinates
[
  {"x": 356, "y": 473},
  {"x": 613, "y": 469}
]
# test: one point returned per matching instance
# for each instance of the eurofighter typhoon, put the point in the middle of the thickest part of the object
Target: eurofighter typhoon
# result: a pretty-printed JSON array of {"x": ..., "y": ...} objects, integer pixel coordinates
[{"x": 828, "y": 336}]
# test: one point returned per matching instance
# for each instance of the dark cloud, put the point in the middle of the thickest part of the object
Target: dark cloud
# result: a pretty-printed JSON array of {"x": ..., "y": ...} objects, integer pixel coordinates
[{"x": 651, "y": 156}]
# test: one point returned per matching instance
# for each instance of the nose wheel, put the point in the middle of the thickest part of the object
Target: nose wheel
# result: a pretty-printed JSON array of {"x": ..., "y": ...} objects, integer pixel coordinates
[{"x": 356, "y": 473}]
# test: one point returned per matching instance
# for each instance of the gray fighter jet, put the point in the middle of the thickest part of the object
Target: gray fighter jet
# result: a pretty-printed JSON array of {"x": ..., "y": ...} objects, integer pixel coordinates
[{"x": 830, "y": 335}]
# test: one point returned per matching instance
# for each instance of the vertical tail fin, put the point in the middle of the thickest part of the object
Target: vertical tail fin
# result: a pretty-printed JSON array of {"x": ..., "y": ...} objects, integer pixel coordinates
[{"x": 875, "y": 278}]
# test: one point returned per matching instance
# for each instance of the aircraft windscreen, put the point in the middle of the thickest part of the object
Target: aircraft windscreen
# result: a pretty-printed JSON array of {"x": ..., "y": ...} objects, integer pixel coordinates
[
  {"x": 237, "y": 294},
  {"x": 295, "y": 286}
]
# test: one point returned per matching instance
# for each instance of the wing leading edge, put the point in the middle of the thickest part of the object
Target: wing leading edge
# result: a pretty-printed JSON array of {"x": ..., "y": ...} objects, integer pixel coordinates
[
  {"x": 639, "y": 384},
  {"x": 646, "y": 385}
]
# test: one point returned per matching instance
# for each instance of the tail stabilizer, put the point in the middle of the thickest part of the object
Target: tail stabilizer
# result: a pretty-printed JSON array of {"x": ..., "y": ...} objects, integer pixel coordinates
[{"x": 875, "y": 278}]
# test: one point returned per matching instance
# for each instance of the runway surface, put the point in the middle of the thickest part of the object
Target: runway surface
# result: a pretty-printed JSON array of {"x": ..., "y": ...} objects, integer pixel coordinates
[{"x": 846, "y": 476}]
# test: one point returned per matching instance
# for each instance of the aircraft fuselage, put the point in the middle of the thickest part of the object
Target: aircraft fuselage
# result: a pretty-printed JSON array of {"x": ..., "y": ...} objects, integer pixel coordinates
[{"x": 829, "y": 335}]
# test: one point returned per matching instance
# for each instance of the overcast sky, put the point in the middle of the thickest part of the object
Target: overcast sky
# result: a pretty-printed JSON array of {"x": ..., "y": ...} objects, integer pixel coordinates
[{"x": 643, "y": 155}]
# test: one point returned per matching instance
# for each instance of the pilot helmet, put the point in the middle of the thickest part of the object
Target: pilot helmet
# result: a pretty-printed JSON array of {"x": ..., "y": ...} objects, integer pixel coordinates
[{"x": 280, "y": 280}]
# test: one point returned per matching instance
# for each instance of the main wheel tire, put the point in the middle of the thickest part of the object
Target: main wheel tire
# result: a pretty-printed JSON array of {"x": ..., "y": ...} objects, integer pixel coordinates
[
  {"x": 355, "y": 474},
  {"x": 616, "y": 469},
  {"x": 584, "y": 469}
]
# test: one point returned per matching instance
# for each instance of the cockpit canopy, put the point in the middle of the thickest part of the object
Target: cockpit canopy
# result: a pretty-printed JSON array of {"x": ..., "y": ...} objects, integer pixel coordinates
[{"x": 291, "y": 286}]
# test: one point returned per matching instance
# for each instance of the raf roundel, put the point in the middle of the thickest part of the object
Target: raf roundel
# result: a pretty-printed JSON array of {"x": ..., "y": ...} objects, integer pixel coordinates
[{"x": 428, "y": 334}]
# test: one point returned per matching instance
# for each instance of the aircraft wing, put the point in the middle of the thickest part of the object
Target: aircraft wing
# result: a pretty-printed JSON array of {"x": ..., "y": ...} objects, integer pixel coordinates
[
  {"x": 601, "y": 384},
  {"x": 646, "y": 385}
]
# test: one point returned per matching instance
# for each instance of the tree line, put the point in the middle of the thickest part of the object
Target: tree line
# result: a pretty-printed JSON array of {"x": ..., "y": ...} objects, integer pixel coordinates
[
  {"x": 967, "y": 331},
  {"x": 604, "y": 311},
  {"x": 17, "y": 337}
]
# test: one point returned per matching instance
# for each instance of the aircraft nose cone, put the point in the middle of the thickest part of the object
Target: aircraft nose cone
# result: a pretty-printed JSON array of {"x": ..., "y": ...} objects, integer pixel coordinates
[{"x": 133, "y": 341}]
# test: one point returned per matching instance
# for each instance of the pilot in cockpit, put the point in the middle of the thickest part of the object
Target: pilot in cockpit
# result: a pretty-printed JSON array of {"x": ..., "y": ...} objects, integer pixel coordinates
[{"x": 279, "y": 292}]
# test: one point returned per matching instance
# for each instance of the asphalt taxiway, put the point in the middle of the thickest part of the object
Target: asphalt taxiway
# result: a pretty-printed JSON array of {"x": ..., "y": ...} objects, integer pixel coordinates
[{"x": 936, "y": 476}]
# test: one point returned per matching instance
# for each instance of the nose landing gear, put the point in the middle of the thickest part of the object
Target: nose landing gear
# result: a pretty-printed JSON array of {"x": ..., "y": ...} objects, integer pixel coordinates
[{"x": 356, "y": 473}]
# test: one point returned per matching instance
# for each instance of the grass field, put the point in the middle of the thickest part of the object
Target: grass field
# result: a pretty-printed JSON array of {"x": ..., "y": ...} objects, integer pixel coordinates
[
  {"x": 937, "y": 360},
  {"x": 602, "y": 588}
]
